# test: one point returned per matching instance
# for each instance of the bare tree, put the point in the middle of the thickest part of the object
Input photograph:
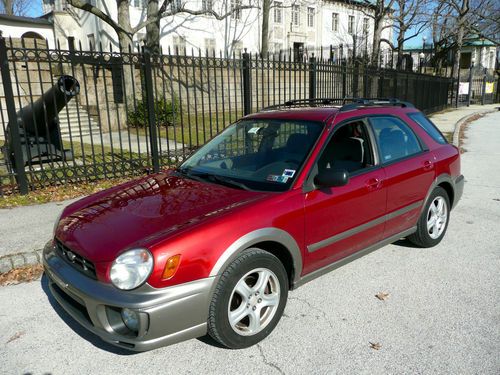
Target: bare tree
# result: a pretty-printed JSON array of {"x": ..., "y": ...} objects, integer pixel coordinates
[
  {"x": 266, "y": 9},
  {"x": 14, "y": 7},
  {"x": 126, "y": 31},
  {"x": 455, "y": 20},
  {"x": 409, "y": 15},
  {"x": 153, "y": 29},
  {"x": 381, "y": 11}
]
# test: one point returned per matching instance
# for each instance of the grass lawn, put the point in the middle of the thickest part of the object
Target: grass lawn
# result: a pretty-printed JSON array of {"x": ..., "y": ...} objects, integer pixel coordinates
[{"x": 196, "y": 129}]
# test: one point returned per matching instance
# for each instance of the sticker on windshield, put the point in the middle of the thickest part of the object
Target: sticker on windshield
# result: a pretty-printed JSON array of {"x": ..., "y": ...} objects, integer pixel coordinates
[
  {"x": 276, "y": 178},
  {"x": 288, "y": 172}
]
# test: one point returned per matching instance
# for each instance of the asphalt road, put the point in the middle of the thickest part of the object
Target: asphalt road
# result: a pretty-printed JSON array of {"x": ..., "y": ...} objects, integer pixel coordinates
[{"x": 442, "y": 314}]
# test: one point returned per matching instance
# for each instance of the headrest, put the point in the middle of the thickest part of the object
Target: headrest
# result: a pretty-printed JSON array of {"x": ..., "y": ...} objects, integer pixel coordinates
[{"x": 297, "y": 142}]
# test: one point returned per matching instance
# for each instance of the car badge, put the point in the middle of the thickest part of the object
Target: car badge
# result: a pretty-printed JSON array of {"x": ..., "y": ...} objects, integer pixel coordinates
[{"x": 71, "y": 256}]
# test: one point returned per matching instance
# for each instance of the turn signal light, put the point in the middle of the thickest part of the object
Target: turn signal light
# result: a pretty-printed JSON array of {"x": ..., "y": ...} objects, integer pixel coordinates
[{"x": 171, "y": 267}]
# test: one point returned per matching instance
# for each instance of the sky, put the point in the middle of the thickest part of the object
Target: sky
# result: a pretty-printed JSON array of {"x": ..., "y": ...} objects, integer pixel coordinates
[{"x": 35, "y": 8}]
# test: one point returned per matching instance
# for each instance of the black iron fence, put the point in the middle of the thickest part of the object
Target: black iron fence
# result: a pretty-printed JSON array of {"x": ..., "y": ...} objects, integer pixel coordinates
[
  {"x": 476, "y": 86},
  {"x": 135, "y": 113}
]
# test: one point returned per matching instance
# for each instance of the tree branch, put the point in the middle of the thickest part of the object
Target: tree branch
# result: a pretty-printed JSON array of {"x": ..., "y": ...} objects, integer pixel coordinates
[
  {"x": 83, "y": 5},
  {"x": 208, "y": 12}
]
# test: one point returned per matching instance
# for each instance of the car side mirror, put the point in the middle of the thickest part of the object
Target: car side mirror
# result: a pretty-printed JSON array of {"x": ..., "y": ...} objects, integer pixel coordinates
[{"x": 331, "y": 178}]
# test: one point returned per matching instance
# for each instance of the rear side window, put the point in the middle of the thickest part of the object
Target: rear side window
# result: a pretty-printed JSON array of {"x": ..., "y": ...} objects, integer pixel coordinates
[
  {"x": 395, "y": 139},
  {"x": 428, "y": 126}
]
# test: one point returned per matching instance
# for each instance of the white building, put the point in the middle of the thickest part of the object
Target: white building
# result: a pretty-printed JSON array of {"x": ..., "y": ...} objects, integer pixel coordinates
[
  {"x": 293, "y": 24},
  {"x": 16, "y": 27}
]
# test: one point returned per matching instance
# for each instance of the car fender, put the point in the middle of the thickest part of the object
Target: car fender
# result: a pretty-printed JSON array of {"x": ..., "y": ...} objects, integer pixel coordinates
[
  {"x": 445, "y": 177},
  {"x": 260, "y": 235}
]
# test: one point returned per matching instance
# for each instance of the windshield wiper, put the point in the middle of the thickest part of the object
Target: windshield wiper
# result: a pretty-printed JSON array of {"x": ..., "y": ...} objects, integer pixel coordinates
[
  {"x": 204, "y": 176},
  {"x": 230, "y": 182},
  {"x": 200, "y": 177}
]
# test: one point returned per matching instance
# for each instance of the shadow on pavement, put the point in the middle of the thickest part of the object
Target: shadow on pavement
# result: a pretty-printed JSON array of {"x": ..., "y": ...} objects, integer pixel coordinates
[
  {"x": 207, "y": 339},
  {"x": 75, "y": 326},
  {"x": 404, "y": 243}
]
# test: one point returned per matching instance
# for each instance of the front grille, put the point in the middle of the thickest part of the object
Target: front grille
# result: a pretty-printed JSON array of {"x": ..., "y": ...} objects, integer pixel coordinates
[{"x": 76, "y": 261}]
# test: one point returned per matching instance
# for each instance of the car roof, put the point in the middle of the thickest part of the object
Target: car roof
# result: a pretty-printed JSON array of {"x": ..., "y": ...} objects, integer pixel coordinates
[
  {"x": 322, "y": 109},
  {"x": 318, "y": 114}
]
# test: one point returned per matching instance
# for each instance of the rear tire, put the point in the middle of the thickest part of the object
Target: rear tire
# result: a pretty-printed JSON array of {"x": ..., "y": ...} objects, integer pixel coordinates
[
  {"x": 249, "y": 299},
  {"x": 433, "y": 221}
]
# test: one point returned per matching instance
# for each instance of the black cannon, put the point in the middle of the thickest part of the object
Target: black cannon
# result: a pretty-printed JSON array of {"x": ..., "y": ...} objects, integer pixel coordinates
[{"x": 38, "y": 123}]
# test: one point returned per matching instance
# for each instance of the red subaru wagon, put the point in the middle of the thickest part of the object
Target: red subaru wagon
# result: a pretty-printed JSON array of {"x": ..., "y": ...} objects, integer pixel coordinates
[{"x": 272, "y": 202}]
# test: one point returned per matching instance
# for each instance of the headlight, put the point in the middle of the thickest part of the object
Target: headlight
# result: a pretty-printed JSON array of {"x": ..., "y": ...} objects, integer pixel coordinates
[{"x": 131, "y": 269}]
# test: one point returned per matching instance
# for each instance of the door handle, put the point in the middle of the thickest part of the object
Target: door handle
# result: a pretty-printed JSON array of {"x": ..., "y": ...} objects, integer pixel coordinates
[
  {"x": 373, "y": 183},
  {"x": 428, "y": 165}
]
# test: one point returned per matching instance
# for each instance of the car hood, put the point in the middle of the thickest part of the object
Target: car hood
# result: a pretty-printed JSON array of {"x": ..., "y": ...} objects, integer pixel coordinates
[{"x": 142, "y": 213}]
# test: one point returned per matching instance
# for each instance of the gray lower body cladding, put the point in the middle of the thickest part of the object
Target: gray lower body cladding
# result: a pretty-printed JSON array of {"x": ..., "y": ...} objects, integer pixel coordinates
[{"x": 166, "y": 316}]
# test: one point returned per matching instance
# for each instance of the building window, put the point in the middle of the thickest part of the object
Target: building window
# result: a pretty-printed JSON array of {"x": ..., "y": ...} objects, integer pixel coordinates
[
  {"x": 310, "y": 17},
  {"x": 366, "y": 25},
  {"x": 237, "y": 48},
  {"x": 63, "y": 5},
  {"x": 295, "y": 15},
  {"x": 235, "y": 9},
  {"x": 335, "y": 22},
  {"x": 71, "y": 43},
  {"x": 91, "y": 40},
  {"x": 206, "y": 5},
  {"x": 179, "y": 44},
  {"x": 210, "y": 45},
  {"x": 278, "y": 12},
  {"x": 176, "y": 5},
  {"x": 139, "y": 3},
  {"x": 350, "y": 25}
]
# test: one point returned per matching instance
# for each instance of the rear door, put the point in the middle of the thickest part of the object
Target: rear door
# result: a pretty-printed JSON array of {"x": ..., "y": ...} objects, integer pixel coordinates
[{"x": 409, "y": 171}]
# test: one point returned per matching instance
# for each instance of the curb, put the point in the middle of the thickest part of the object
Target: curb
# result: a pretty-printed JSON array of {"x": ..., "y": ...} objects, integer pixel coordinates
[
  {"x": 13, "y": 261},
  {"x": 464, "y": 120}
]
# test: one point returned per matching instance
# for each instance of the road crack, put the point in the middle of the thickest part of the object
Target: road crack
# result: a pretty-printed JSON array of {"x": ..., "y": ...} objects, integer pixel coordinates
[
  {"x": 325, "y": 315},
  {"x": 267, "y": 363}
]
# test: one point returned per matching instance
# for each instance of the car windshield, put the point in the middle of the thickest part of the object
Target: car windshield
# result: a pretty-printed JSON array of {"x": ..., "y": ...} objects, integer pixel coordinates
[{"x": 263, "y": 155}]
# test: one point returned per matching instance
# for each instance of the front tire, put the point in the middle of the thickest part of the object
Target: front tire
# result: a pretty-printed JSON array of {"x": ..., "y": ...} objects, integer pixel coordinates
[
  {"x": 249, "y": 299},
  {"x": 433, "y": 221}
]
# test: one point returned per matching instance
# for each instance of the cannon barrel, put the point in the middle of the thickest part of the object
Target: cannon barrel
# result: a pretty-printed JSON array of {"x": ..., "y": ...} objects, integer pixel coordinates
[
  {"x": 40, "y": 135},
  {"x": 54, "y": 100}
]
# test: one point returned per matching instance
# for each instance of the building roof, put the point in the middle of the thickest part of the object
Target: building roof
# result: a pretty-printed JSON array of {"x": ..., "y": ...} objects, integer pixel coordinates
[
  {"x": 359, "y": 3},
  {"x": 477, "y": 40},
  {"x": 26, "y": 20}
]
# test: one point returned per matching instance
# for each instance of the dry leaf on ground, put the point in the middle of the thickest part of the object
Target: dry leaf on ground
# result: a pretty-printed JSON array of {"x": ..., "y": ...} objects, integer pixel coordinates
[
  {"x": 19, "y": 275},
  {"x": 16, "y": 336},
  {"x": 375, "y": 345},
  {"x": 382, "y": 296}
]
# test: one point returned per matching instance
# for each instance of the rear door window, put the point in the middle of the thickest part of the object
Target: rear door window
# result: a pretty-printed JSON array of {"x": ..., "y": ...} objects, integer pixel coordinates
[
  {"x": 395, "y": 139},
  {"x": 428, "y": 126}
]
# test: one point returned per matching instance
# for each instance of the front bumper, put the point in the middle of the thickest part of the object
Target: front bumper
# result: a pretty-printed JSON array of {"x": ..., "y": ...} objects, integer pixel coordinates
[{"x": 166, "y": 316}]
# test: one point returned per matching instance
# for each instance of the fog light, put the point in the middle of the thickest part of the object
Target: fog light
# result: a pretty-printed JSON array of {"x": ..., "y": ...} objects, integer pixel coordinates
[{"x": 131, "y": 319}]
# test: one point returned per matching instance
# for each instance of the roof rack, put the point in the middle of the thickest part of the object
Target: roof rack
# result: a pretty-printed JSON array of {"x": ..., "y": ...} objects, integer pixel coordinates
[
  {"x": 345, "y": 104},
  {"x": 371, "y": 102},
  {"x": 316, "y": 102}
]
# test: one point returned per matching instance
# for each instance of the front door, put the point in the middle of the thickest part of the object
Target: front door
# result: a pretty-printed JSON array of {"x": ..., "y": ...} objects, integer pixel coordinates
[
  {"x": 298, "y": 51},
  {"x": 340, "y": 221}
]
